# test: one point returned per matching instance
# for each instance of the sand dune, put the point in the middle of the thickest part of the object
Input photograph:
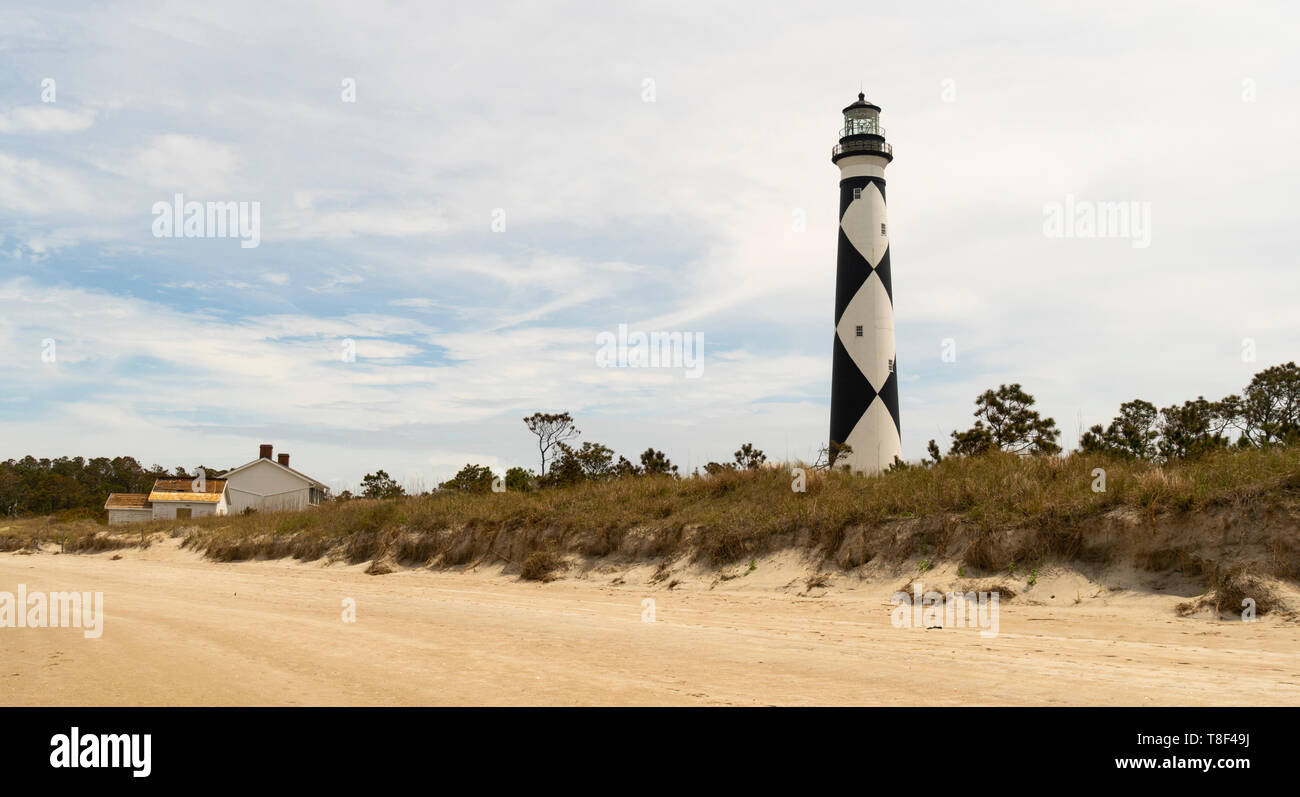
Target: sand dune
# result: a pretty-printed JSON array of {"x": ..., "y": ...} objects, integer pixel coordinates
[{"x": 180, "y": 630}]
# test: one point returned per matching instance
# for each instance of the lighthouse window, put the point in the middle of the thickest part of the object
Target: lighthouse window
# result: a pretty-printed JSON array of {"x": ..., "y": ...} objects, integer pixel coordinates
[
  {"x": 859, "y": 330},
  {"x": 882, "y": 228},
  {"x": 864, "y": 126},
  {"x": 857, "y": 193}
]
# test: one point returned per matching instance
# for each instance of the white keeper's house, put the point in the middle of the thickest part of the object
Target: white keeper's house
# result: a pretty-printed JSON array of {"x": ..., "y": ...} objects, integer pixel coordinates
[
  {"x": 270, "y": 485},
  {"x": 263, "y": 485}
]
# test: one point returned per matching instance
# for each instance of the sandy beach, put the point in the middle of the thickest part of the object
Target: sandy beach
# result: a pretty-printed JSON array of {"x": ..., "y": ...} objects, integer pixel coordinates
[{"x": 181, "y": 630}]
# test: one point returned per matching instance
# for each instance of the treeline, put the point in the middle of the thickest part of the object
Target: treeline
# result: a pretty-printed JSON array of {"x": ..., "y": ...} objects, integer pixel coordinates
[
  {"x": 561, "y": 464},
  {"x": 75, "y": 485},
  {"x": 1266, "y": 413}
]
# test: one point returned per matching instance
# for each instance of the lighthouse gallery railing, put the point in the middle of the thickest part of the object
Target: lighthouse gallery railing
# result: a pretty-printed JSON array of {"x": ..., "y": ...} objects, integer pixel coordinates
[{"x": 862, "y": 146}]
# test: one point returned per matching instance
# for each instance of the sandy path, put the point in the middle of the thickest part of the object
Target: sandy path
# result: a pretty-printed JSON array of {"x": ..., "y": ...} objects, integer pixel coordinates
[{"x": 183, "y": 631}]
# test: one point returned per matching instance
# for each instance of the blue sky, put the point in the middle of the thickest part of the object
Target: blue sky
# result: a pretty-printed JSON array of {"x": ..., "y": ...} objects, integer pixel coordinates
[{"x": 675, "y": 215}]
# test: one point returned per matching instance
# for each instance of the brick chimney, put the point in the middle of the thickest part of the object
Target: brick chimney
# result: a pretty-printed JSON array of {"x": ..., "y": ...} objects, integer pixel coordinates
[
  {"x": 283, "y": 459},
  {"x": 264, "y": 451}
]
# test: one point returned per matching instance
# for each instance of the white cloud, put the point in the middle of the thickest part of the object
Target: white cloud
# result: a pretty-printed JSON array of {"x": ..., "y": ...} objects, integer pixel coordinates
[
  {"x": 45, "y": 119},
  {"x": 193, "y": 165},
  {"x": 398, "y": 222},
  {"x": 418, "y": 302},
  {"x": 335, "y": 280},
  {"x": 30, "y": 186},
  {"x": 286, "y": 371}
]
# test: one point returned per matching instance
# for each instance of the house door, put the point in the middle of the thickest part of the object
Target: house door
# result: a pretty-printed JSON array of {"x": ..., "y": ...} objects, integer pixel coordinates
[{"x": 184, "y": 514}]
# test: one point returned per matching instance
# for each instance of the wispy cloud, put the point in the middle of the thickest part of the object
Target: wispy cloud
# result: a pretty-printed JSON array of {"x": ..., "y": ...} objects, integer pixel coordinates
[{"x": 45, "y": 119}]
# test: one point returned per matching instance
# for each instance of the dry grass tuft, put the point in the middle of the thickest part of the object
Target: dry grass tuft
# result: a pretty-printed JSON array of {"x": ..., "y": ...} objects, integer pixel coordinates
[
  {"x": 540, "y": 566},
  {"x": 379, "y": 567},
  {"x": 1232, "y": 590},
  {"x": 98, "y": 541}
]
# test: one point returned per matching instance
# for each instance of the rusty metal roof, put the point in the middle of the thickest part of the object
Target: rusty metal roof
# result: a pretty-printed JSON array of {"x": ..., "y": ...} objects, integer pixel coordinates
[
  {"x": 127, "y": 501},
  {"x": 183, "y": 490}
]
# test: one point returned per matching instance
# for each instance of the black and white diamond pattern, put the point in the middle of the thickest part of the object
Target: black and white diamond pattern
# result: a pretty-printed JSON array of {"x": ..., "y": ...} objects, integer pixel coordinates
[{"x": 864, "y": 382}]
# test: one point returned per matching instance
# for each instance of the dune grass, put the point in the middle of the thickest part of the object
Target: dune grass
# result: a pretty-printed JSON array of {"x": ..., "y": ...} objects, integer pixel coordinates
[
  {"x": 987, "y": 512},
  {"x": 735, "y": 515}
]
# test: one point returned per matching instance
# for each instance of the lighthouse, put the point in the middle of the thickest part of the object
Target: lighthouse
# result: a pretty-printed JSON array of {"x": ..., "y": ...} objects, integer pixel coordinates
[{"x": 864, "y": 378}]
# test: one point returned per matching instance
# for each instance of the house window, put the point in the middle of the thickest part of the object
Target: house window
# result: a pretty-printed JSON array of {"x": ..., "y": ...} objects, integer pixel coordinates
[
  {"x": 882, "y": 228},
  {"x": 857, "y": 193},
  {"x": 859, "y": 330},
  {"x": 184, "y": 514}
]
